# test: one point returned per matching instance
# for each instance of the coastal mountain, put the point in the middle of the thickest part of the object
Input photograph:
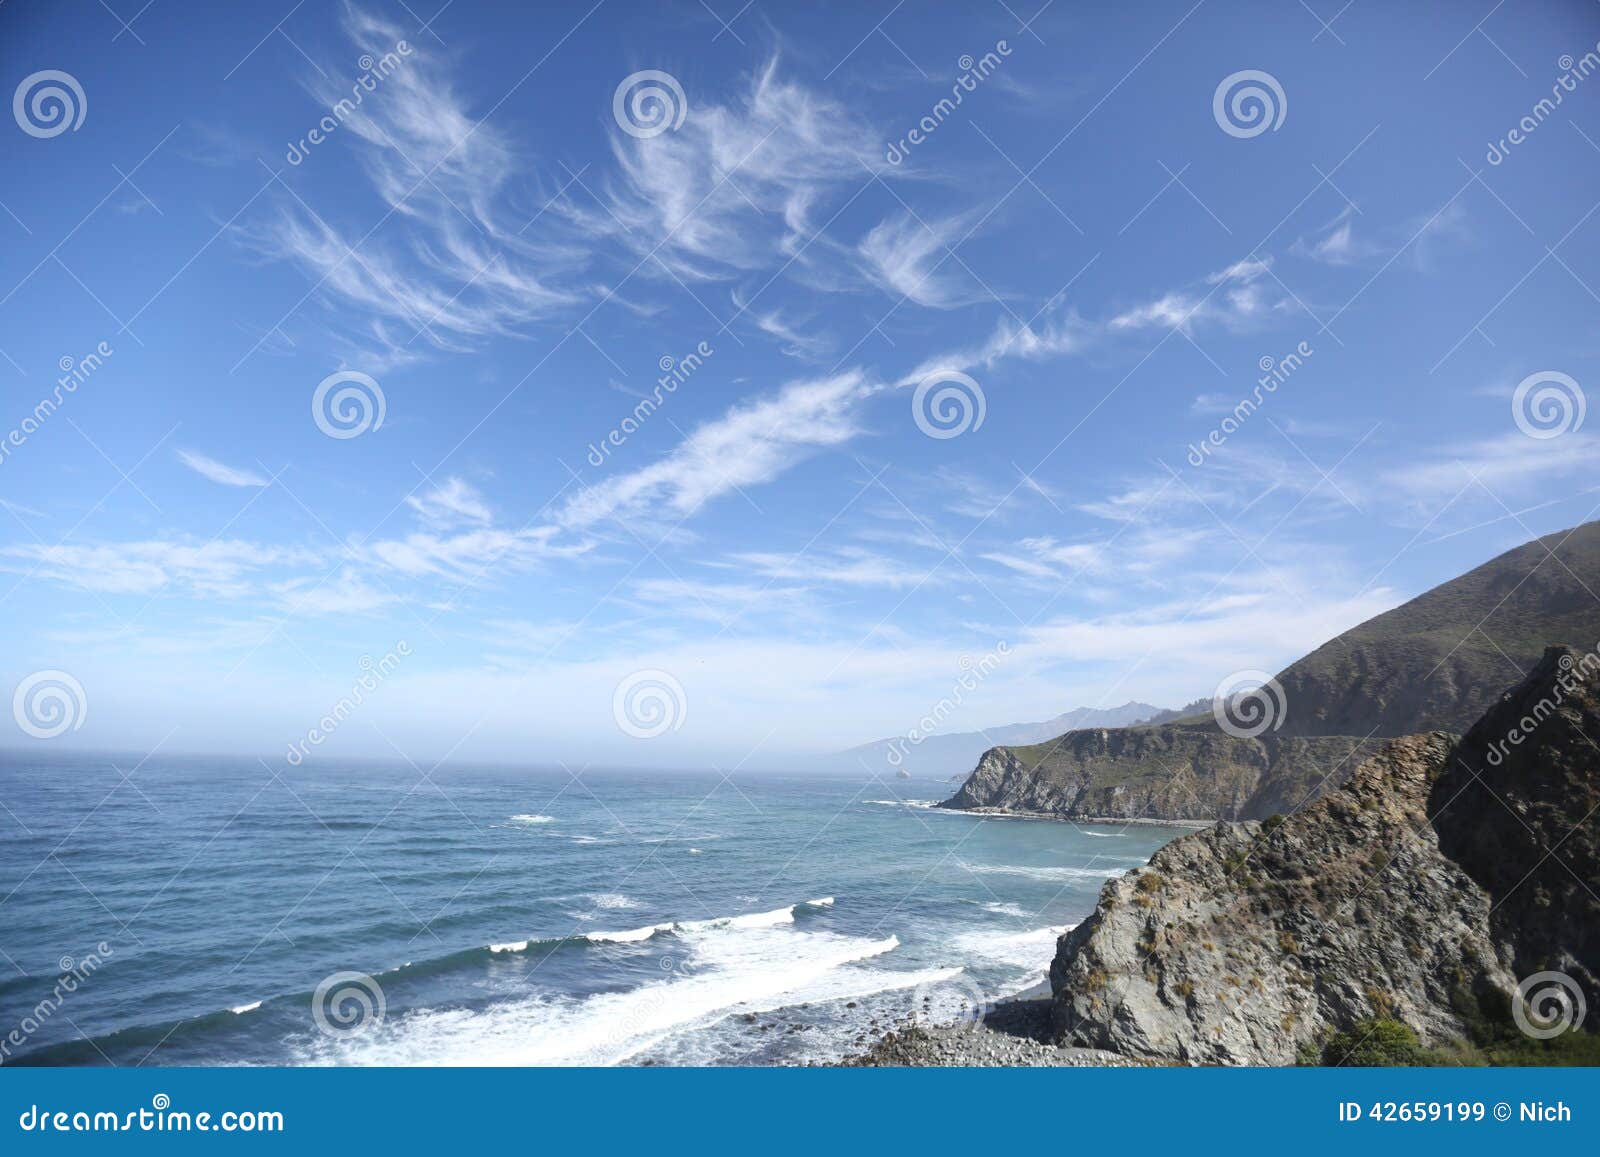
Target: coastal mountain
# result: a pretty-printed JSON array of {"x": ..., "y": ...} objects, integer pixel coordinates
[
  {"x": 1406, "y": 907},
  {"x": 946, "y": 755},
  {"x": 1440, "y": 660},
  {"x": 1177, "y": 772},
  {"x": 1434, "y": 663}
]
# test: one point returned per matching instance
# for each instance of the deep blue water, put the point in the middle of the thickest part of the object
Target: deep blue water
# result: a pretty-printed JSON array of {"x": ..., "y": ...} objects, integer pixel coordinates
[{"x": 508, "y": 915}]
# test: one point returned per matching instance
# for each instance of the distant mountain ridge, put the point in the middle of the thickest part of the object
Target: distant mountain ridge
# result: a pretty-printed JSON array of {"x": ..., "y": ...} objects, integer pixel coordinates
[
  {"x": 1436, "y": 663},
  {"x": 946, "y": 755}
]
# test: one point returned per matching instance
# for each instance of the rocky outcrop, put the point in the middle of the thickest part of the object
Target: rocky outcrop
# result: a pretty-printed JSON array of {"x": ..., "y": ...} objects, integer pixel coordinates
[
  {"x": 1173, "y": 772},
  {"x": 1421, "y": 891}
]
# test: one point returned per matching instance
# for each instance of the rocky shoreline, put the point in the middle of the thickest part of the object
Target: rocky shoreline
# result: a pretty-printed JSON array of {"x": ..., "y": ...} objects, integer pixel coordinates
[
  {"x": 1093, "y": 821},
  {"x": 1015, "y": 1033}
]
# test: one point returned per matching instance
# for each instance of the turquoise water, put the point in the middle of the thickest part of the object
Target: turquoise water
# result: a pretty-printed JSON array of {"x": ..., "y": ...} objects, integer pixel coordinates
[{"x": 509, "y": 915}]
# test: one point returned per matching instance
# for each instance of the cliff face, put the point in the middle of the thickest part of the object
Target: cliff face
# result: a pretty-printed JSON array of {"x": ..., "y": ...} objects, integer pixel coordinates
[
  {"x": 1418, "y": 892},
  {"x": 1174, "y": 772}
]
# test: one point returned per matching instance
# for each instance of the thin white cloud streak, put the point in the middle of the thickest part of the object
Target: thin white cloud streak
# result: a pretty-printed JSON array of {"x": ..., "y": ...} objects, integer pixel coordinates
[
  {"x": 222, "y": 567},
  {"x": 749, "y": 445},
  {"x": 909, "y": 258},
  {"x": 452, "y": 502},
  {"x": 219, "y": 472}
]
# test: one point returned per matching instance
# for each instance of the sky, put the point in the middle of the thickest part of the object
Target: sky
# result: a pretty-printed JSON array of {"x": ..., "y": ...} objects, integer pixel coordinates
[{"x": 696, "y": 384}]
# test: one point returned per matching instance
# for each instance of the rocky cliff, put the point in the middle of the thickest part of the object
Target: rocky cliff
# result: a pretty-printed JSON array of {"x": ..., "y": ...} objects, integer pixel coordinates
[
  {"x": 1420, "y": 892},
  {"x": 1172, "y": 772}
]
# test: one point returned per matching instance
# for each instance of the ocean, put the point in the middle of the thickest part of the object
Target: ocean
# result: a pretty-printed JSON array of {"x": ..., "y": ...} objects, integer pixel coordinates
[{"x": 220, "y": 912}]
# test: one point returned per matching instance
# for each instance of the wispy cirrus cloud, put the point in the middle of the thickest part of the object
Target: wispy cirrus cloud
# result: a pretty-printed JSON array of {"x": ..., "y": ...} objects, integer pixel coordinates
[
  {"x": 219, "y": 472},
  {"x": 1238, "y": 298},
  {"x": 908, "y": 258},
  {"x": 452, "y": 502},
  {"x": 221, "y": 567},
  {"x": 749, "y": 445},
  {"x": 735, "y": 187},
  {"x": 457, "y": 271}
]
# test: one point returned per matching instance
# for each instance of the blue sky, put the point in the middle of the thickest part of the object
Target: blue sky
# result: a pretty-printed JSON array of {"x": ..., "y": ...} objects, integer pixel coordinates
[{"x": 1104, "y": 255}]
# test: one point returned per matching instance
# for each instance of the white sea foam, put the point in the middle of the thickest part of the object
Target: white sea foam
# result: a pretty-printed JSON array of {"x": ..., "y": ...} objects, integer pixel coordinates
[
  {"x": 1053, "y": 873},
  {"x": 727, "y": 965},
  {"x": 634, "y": 935},
  {"x": 630, "y": 935},
  {"x": 1005, "y": 909},
  {"x": 916, "y": 803},
  {"x": 610, "y": 900},
  {"x": 1030, "y": 950},
  {"x": 533, "y": 819},
  {"x": 241, "y": 1009}
]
